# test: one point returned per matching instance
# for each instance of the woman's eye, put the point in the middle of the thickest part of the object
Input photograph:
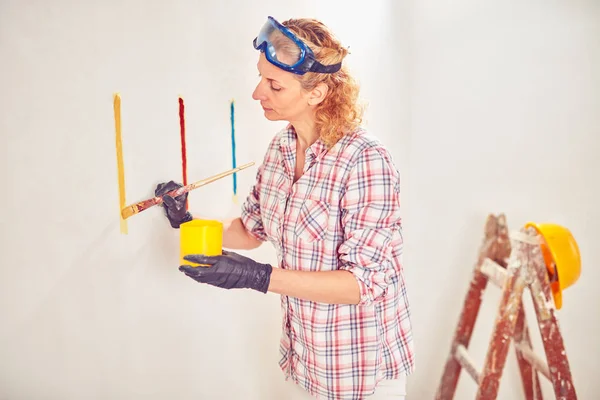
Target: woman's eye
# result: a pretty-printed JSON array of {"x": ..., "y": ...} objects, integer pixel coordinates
[{"x": 275, "y": 89}]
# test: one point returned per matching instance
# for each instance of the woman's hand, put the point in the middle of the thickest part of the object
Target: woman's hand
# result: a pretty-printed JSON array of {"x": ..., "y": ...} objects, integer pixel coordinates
[
  {"x": 229, "y": 271},
  {"x": 175, "y": 208}
]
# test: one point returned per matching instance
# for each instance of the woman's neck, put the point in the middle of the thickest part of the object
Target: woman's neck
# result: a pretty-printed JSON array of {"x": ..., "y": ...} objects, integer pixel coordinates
[{"x": 307, "y": 133}]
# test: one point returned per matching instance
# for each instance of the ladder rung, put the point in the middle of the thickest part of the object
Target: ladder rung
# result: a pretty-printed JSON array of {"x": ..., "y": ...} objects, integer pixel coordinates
[
  {"x": 524, "y": 237},
  {"x": 463, "y": 358},
  {"x": 494, "y": 272},
  {"x": 533, "y": 359}
]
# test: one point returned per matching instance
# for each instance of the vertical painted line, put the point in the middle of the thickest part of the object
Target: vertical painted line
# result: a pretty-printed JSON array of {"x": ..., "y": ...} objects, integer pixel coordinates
[
  {"x": 183, "y": 146},
  {"x": 232, "y": 109},
  {"x": 120, "y": 167}
]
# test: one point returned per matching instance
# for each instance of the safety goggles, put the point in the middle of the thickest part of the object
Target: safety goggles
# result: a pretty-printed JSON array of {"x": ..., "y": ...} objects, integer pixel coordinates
[{"x": 285, "y": 50}]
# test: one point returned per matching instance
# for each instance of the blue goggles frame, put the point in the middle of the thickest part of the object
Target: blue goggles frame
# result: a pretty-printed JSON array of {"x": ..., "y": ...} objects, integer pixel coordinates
[{"x": 306, "y": 62}]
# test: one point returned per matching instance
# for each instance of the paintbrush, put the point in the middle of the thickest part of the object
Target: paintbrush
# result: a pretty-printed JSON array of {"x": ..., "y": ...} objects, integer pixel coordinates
[{"x": 145, "y": 204}]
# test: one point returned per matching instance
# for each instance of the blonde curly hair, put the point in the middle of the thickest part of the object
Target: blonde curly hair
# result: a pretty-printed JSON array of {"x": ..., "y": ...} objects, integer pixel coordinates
[{"x": 340, "y": 112}]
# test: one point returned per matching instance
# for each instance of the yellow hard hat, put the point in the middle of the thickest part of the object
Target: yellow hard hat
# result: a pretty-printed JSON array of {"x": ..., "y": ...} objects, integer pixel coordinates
[{"x": 561, "y": 255}]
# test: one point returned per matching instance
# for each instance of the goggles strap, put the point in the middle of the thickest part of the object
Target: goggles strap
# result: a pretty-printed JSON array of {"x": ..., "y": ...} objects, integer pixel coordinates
[{"x": 325, "y": 69}]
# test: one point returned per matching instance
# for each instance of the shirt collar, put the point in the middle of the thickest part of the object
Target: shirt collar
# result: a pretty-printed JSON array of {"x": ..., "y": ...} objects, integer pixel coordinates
[
  {"x": 318, "y": 149},
  {"x": 288, "y": 140}
]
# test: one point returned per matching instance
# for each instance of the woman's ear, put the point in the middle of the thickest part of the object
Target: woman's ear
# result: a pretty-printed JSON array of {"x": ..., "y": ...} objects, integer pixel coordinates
[{"x": 317, "y": 95}]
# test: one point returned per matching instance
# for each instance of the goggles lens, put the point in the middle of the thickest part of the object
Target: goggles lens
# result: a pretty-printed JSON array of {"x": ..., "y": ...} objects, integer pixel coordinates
[{"x": 279, "y": 46}]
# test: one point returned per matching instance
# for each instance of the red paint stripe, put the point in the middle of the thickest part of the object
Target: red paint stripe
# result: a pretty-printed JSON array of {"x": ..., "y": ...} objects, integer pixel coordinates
[{"x": 183, "y": 148}]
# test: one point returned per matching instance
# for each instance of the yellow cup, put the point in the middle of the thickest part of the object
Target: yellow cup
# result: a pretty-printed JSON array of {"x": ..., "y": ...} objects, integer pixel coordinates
[{"x": 200, "y": 236}]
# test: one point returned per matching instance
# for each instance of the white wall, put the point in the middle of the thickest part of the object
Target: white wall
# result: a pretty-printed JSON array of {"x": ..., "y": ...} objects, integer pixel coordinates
[
  {"x": 505, "y": 117},
  {"x": 90, "y": 313}
]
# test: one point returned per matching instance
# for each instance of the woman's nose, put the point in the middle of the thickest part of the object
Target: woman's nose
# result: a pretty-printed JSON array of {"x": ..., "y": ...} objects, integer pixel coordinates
[{"x": 258, "y": 93}]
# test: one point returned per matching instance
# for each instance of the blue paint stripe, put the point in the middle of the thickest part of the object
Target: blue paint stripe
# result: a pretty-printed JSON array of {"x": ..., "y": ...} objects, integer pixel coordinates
[{"x": 233, "y": 147}]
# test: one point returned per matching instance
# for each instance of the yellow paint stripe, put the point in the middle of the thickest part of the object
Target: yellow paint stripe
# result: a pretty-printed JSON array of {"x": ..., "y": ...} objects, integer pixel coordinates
[{"x": 120, "y": 169}]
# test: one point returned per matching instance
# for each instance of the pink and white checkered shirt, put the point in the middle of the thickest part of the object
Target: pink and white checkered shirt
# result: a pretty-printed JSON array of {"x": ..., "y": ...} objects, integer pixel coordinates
[{"x": 342, "y": 214}]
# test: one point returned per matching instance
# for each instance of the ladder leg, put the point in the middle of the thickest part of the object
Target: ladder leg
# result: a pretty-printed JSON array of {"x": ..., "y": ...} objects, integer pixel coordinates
[
  {"x": 504, "y": 328},
  {"x": 462, "y": 336},
  {"x": 529, "y": 375},
  {"x": 558, "y": 364},
  {"x": 496, "y": 246}
]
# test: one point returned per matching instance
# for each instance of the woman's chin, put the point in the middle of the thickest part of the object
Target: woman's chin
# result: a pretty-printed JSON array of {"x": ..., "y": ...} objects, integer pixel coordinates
[{"x": 271, "y": 115}]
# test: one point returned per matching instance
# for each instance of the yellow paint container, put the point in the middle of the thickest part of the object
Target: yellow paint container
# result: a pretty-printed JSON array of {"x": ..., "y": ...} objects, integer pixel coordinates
[{"x": 200, "y": 236}]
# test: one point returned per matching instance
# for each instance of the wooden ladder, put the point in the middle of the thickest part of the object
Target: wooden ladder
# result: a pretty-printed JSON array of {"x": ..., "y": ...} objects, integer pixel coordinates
[{"x": 512, "y": 262}]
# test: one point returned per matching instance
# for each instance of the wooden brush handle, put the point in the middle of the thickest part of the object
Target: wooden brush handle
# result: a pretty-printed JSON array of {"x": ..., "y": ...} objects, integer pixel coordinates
[{"x": 146, "y": 204}]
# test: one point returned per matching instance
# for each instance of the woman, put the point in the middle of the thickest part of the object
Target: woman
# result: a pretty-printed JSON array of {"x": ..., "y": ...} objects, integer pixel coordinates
[{"x": 327, "y": 197}]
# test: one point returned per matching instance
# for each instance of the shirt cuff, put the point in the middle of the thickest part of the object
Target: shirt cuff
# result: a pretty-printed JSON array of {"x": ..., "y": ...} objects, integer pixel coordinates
[{"x": 372, "y": 284}]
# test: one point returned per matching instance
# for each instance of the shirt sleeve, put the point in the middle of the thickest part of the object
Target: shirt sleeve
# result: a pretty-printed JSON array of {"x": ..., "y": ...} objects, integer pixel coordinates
[
  {"x": 250, "y": 214},
  {"x": 371, "y": 223}
]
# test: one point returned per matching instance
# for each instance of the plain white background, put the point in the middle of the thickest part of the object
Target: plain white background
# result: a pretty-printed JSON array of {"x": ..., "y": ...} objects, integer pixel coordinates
[{"x": 487, "y": 107}]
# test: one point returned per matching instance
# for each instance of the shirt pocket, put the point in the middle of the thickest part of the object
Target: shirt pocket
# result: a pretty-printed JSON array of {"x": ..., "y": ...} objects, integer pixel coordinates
[{"x": 313, "y": 220}]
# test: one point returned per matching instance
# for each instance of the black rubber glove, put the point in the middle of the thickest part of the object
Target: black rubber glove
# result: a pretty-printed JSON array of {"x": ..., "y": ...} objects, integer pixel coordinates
[
  {"x": 229, "y": 271},
  {"x": 174, "y": 207}
]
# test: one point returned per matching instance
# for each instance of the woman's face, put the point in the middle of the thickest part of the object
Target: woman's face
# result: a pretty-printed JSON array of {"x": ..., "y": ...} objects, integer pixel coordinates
[{"x": 280, "y": 94}]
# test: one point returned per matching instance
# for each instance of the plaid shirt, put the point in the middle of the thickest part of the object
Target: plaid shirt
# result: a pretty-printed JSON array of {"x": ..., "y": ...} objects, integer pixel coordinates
[{"x": 342, "y": 214}]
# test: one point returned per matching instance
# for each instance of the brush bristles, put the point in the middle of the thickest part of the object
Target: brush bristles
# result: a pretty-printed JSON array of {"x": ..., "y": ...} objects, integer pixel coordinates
[{"x": 127, "y": 212}]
